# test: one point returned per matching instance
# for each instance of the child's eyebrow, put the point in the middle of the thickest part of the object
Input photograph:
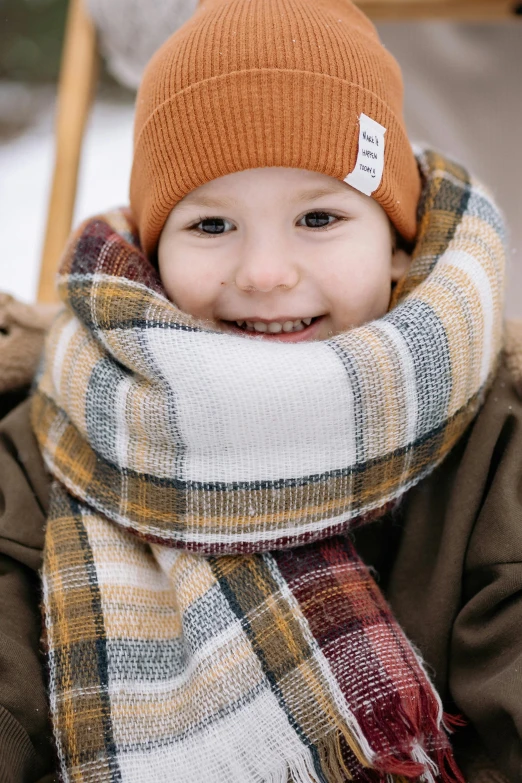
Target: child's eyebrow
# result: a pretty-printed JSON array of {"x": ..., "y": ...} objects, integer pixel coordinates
[
  {"x": 223, "y": 202},
  {"x": 310, "y": 195},
  {"x": 207, "y": 201}
]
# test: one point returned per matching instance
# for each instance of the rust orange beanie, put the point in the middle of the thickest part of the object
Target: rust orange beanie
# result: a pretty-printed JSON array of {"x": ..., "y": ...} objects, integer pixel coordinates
[{"x": 251, "y": 83}]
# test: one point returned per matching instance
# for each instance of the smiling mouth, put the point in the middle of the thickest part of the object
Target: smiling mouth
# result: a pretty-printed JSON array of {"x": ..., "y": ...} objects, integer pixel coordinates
[{"x": 273, "y": 328}]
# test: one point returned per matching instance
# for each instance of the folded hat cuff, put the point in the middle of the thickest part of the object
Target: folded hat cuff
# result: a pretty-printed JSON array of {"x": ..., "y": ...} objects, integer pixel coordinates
[{"x": 264, "y": 117}]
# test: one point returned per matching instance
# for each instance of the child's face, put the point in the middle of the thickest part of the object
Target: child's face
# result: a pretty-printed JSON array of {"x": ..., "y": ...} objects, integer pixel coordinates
[{"x": 271, "y": 248}]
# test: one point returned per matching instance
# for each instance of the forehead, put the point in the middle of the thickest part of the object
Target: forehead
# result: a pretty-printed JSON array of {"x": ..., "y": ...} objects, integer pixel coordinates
[{"x": 299, "y": 185}]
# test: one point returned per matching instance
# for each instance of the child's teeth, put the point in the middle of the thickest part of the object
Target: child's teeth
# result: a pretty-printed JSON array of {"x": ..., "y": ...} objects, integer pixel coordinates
[{"x": 274, "y": 327}]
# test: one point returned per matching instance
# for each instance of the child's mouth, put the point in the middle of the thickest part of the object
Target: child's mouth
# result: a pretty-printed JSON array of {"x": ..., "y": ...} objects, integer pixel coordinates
[{"x": 285, "y": 330}]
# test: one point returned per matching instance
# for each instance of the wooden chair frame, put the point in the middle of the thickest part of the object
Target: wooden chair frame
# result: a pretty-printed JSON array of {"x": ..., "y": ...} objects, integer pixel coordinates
[{"x": 77, "y": 84}]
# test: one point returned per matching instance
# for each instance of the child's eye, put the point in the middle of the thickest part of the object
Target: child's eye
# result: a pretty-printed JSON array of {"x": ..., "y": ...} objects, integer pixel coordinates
[
  {"x": 212, "y": 225},
  {"x": 318, "y": 220}
]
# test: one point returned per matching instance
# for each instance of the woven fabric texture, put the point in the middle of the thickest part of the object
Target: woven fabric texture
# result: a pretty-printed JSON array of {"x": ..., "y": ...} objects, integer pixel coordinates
[{"x": 203, "y": 615}]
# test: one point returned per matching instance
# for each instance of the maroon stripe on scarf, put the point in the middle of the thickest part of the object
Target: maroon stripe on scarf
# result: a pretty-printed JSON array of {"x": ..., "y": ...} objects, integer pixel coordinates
[{"x": 369, "y": 657}]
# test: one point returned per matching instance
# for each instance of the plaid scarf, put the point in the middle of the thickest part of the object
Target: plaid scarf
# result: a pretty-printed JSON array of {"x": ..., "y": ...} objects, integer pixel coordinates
[{"x": 206, "y": 615}]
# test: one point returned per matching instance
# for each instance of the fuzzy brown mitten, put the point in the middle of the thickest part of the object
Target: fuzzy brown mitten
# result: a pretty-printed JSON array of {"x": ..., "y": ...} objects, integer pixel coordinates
[{"x": 22, "y": 332}]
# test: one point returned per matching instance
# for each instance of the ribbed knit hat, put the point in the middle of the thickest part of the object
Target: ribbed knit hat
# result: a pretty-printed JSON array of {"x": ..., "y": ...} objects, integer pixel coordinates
[{"x": 252, "y": 83}]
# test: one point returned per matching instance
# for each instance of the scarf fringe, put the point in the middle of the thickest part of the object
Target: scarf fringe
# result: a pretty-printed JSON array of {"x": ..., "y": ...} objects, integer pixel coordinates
[
  {"x": 407, "y": 758},
  {"x": 420, "y": 767}
]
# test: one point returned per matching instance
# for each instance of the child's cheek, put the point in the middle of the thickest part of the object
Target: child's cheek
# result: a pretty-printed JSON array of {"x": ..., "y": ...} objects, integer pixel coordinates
[
  {"x": 359, "y": 298},
  {"x": 190, "y": 288}
]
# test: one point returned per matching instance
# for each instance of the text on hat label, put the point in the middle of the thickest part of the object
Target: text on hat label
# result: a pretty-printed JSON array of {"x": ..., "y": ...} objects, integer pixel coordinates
[{"x": 369, "y": 166}]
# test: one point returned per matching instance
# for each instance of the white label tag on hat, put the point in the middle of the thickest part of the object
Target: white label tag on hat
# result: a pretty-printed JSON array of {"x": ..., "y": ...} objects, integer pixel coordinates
[{"x": 369, "y": 166}]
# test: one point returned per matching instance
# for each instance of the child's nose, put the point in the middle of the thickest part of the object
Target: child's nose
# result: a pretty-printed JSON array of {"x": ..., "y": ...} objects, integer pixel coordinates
[{"x": 264, "y": 270}]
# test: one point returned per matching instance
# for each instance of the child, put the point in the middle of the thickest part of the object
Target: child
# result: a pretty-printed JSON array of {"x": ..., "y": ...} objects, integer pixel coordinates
[{"x": 219, "y": 489}]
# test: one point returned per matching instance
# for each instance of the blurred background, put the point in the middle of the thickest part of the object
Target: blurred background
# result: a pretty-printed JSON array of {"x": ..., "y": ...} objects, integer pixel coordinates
[{"x": 463, "y": 95}]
